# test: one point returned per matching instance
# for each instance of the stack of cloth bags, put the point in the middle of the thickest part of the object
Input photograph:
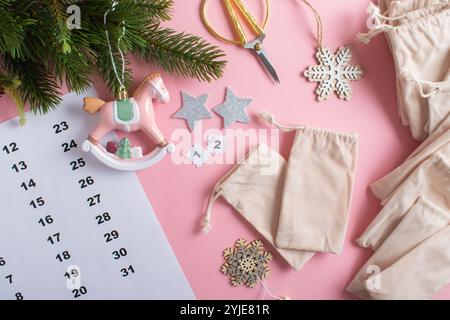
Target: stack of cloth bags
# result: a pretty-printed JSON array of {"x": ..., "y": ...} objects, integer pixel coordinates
[{"x": 411, "y": 234}]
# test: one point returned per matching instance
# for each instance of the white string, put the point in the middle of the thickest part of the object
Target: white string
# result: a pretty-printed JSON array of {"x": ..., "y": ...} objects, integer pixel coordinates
[
  {"x": 266, "y": 289},
  {"x": 120, "y": 79},
  {"x": 375, "y": 24},
  {"x": 420, "y": 84},
  {"x": 270, "y": 119},
  {"x": 206, "y": 223}
]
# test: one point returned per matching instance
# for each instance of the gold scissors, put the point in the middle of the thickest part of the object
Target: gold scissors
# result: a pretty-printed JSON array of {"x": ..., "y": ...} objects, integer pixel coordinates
[{"x": 255, "y": 45}]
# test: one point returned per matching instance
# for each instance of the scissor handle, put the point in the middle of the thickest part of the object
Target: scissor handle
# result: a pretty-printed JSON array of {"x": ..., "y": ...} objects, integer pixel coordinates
[
  {"x": 236, "y": 24},
  {"x": 250, "y": 19}
]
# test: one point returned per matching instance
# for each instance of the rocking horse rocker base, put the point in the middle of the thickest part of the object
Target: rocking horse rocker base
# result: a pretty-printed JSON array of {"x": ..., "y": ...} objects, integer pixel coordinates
[
  {"x": 112, "y": 161},
  {"x": 129, "y": 115}
]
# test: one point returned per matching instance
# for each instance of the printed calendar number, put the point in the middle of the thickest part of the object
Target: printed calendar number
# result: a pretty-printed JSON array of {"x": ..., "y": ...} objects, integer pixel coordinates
[
  {"x": 46, "y": 221},
  {"x": 54, "y": 238},
  {"x": 20, "y": 166},
  {"x": 77, "y": 164},
  {"x": 9, "y": 278},
  {"x": 28, "y": 185},
  {"x": 38, "y": 202},
  {"x": 127, "y": 271},
  {"x": 73, "y": 273},
  {"x": 61, "y": 127},
  {"x": 19, "y": 296},
  {"x": 67, "y": 146},
  {"x": 103, "y": 218},
  {"x": 84, "y": 183},
  {"x": 10, "y": 148},
  {"x": 110, "y": 236},
  {"x": 79, "y": 292},
  {"x": 122, "y": 252},
  {"x": 63, "y": 256},
  {"x": 2, "y": 262},
  {"x": 93, "y": 201}
]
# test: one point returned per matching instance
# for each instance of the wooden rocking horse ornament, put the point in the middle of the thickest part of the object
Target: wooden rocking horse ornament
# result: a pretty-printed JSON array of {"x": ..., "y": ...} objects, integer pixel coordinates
[{"x": 129, "y": 115}]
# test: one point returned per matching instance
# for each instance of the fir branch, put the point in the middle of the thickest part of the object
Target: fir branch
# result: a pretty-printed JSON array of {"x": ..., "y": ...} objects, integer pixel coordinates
[
  {"x": 12, "y": 32},
  {"x": 37, "y": 47},
  {"x": 74, "y": 69},
  {"x": 15, "y": 95},
  {"x": 156, "y": 10},
  {"x": 60, "y": 30},
  {"x": 105, "y": 70},
  {"x": 38, "y": 85},
  {"x": 182, "y": 53},
  {"x": 10, "y": 85}
]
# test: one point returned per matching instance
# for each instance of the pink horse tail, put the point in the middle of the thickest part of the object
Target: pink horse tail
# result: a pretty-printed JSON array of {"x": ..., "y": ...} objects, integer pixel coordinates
[{"x": 92, "y": 105}]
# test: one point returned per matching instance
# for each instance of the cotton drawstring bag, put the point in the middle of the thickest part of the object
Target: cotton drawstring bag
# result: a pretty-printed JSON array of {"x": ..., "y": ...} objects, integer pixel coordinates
[
  {"x": 420, "y": 45},
  {"x": 258, "y": 190},
  {"x": 439, "y": 141},
  {"x": 399, "y": 13},
  {"x": 431, "y": 181},
  {"x": 421, "y": 50},
  {"x": 254, "y": 188},
  {"x": 382, "y": 275},
  {"x": 420, "y": 273},
  {"x": 438, "y": 107},
  {"x": 317, "y": 189}
]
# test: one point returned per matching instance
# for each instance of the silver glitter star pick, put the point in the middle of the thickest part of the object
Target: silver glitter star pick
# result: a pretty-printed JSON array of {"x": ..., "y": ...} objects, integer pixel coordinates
[
  {"x": 193, "y": 110},
  {"x": 232, "y": 109}
]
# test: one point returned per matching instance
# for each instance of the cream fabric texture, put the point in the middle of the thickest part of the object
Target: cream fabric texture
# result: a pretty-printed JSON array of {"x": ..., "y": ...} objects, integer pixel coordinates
[
  {"x": 301, "y": 206},
  {"x": 398, "y": 9},
  {"x": 414, "y": 260},
  {"x": 421, "y": 49},
  {"x": 411, "y": 233},
  {"x": 317, "y": 191},
  {"x": 431, "y": 181},
  {"x": 418, "y": 33},
  {"x": 439, "y": 141},
  {"x": 254, "y": 188}
]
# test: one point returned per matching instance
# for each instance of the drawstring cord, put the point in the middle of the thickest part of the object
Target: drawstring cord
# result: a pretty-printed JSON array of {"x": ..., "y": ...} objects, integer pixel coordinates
[
  {"x": 215, "y": 194},
  {"x": 266, "y": 290},
  {"x": 375, "y": 24},
  {"x": 206, "y": 224},
  {"x": 270, "y": 119},
  {"x": 421, "y": 83}
]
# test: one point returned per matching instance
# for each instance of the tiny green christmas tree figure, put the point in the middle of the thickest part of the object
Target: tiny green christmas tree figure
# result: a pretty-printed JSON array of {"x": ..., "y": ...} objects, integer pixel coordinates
[{"x": 123, "y": 152}]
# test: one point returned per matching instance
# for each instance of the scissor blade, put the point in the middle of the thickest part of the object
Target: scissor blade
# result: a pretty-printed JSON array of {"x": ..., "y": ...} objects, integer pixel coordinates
[{"x": 262, "y": 55}]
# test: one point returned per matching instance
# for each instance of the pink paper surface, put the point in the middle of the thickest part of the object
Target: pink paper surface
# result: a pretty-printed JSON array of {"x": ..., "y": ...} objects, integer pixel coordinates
[{"x": 179, "y": 193}]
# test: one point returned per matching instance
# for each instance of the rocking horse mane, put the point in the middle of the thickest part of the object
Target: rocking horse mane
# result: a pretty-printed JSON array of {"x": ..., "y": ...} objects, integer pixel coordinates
[{"x": 148, "y": 78}]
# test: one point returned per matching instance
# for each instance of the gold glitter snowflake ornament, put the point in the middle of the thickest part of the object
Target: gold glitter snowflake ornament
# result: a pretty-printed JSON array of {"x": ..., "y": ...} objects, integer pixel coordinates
[
  {"x": 334, "y": 73},
  {"x": 246, "y": 263}
]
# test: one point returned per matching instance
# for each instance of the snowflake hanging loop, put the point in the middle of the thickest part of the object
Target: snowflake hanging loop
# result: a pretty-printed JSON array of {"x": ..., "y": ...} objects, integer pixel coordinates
[
  {"x": 246, "y": 263},
  {"x": 334, "y": 73}
]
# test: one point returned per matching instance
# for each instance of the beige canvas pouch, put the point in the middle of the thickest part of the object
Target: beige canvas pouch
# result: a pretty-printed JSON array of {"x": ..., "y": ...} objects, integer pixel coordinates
[
  {"x": 264, "y": 189},
  {"x": 399, "y": 13},
  {"x": 420, "y": 45},
  {"x": 317, "y": 190},
  {"x": 438, "y": 107},
  {"x": 419, "y": 274},
  {"x": 254, "y": 189},
  {"x": 431, "y": 181},
  {"x": 439, "y": 141},
  {"x": 421, "y": 50},
  {"x": 422, "y": 221}
]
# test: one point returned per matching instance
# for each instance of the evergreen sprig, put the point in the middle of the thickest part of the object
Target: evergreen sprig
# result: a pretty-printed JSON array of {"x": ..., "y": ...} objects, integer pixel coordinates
[{"x": 38, "y": 52}]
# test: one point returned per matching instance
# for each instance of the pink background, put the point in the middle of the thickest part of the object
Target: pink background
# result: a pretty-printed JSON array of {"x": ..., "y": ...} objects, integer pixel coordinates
[{"x": 179, "y": 193}]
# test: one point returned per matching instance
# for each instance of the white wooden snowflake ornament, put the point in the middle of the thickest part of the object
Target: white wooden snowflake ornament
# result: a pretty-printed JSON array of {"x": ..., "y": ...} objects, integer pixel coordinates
[{"x": 334, "y": 73}]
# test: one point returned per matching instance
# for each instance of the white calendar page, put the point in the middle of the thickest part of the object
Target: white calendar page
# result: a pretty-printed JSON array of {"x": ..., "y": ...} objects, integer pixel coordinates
[{"x": 71, "y": 228}]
